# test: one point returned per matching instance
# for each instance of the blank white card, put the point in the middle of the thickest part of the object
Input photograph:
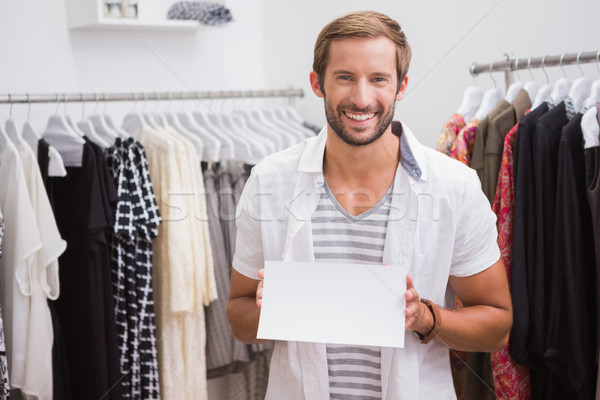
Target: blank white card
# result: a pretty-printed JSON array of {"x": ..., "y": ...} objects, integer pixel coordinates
[{"x": 357, "y": 304}]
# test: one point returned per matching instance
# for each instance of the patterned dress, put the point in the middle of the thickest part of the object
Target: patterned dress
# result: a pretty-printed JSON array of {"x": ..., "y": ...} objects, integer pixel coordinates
[
  {"x": 136, "y": 223},
  {"x": 449, "y": 132},
  {"x": 462, "y": 149},
  {"x": 511, "y": 380}
]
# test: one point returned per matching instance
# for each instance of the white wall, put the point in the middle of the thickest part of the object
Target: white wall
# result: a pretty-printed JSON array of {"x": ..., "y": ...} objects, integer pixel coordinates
[
  {"x": 39, "y": 54},
  {"x": 446, "y": 38}
]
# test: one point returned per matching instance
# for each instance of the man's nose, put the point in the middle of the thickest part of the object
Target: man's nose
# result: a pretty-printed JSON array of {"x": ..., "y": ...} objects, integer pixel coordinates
[{"x": 362, "y": 94}]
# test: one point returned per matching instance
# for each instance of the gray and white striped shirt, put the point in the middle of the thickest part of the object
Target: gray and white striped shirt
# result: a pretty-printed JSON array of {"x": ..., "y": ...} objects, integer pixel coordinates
[{"x": 338, "y": 236}]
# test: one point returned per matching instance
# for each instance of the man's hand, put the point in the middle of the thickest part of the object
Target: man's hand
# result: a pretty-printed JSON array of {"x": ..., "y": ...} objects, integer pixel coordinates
[
  {"x": 418, "y": 316},
  {"x": 259, "y": 288}
]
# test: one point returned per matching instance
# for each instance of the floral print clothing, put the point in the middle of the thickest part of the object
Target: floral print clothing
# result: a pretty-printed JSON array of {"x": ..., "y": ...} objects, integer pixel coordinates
[
  {"x": 511, "y": 380},
  {"x": 449, "y": 132},
  {"x": 462, "y": 149}
]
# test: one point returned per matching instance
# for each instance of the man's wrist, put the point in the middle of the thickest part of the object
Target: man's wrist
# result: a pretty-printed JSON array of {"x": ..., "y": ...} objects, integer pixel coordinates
[{"x": 431, "y": 321}]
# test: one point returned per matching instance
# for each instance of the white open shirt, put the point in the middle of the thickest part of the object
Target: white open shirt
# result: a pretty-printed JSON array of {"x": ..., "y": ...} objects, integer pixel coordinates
[{"x": 440, "y": 224}]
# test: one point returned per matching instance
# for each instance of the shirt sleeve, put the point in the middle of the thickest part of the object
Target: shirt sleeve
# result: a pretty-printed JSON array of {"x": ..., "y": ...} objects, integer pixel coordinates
[
  {"x": 248, "y": 258},
  {"x": 475, "y": 245}
]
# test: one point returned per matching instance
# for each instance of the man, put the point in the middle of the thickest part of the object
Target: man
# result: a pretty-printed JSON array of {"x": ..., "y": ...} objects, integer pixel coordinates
[{"x": 366, "y": 191}]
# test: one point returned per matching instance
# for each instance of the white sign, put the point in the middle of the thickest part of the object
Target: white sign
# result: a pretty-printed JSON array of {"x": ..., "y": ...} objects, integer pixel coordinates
[{"x": 357, "y": 304}]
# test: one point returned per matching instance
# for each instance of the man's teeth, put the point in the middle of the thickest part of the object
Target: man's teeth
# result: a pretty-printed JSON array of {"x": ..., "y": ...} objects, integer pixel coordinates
[{"x": 360, "y": 117}]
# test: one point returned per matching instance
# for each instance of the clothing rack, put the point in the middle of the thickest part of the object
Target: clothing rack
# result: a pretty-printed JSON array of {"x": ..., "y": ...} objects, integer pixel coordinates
[
  {"x": 509, "y": 65},
  {"x": 144, "y": 96}
]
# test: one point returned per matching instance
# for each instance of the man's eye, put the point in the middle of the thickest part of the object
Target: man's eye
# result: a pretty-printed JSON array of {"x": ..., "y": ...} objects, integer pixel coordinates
[
  {"x": 378, "y": 80},
  {"x": 344, "y": 77}
]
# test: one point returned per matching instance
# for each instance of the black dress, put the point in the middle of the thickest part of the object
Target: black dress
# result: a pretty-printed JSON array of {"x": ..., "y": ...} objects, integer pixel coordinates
[
  {"x": 571, "y": 335},
  {"x": 83, "y": 207}
]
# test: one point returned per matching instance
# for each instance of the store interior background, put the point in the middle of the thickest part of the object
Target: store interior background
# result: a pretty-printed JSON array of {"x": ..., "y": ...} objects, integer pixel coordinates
[{"x": 269, "y": 45}]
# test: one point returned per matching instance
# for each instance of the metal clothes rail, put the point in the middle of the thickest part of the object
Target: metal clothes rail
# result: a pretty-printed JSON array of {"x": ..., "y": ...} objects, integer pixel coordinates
[
  {"x": 144, "y": 96},
  {"x": 509, "y": 65}
]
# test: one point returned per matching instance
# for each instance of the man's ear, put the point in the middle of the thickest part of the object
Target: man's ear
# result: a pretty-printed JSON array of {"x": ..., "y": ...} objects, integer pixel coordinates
[
  {"x": 315, "y": 84},
  {"x": 402, "y": 90}
]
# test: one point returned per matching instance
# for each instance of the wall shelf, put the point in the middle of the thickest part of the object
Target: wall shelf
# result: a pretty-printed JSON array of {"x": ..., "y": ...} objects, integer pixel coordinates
[{"x": 89, "y": 15}]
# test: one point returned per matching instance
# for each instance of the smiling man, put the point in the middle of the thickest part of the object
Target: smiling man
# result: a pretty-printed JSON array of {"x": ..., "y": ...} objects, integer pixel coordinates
[{"x": 366, "y": 191}]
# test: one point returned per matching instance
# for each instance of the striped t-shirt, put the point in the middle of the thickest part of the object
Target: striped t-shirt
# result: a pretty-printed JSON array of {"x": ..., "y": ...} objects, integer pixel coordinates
[{"x": 338, "y": 236}]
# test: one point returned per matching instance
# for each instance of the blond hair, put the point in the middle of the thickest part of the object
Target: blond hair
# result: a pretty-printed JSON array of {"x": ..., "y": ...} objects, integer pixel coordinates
[{"x": 361, "y": 25}]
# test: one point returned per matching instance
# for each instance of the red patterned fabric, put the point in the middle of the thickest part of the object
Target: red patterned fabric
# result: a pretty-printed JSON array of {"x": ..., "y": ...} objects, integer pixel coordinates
[
  {"x": 511, "y": 380},
  {"x": 449, "y": 132},
  {"x": 462, "y": 149}
]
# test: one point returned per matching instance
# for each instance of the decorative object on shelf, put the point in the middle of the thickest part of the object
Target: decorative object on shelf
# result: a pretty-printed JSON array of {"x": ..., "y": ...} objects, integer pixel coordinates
[
  {"x": 112, "y": 9},
  {"x": 205, "y": 12},
  {"x": 129, "y": 8}
]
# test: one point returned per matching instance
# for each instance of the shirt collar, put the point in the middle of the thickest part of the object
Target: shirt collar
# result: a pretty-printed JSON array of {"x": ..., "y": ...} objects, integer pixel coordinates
[{"x": 411, "y": 150}]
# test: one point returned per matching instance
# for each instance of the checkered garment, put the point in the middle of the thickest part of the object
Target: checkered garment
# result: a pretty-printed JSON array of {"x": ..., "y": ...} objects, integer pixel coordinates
[
  {"x": 205, "y": 12},
  {"x": 136, "y": 224}
]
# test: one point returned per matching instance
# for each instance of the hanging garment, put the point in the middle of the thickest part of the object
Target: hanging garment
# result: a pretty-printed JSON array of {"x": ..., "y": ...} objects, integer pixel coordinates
[
  {"x": 4, "y": 384},
  {"x": 479, "y": 383},
  {"x": 494, "y": 143},
  {"x": 4, "y": 380},
  {"x": 20, "y": 242},
  {"x": 205, "y": 12},
  {"x": 593, "y": 197},
  {"x": 84, "y": 201},
  {"x": 449, "y": 132},
  {"x": 524, "y": 237},
  {"x": 227, "y": 206},
  {"x": 250, "y": 383},
  {"x": 43, "y": 284},
  {"x": 477, "y": 160},
  {"x": 60, "y": 374},
  {"x": 462, "y": 149},
  {"x": 182, "y": 265},
  {"x": 251, "y": 379},
  {"x": 544, "y": 161},
  {"x": 136, "y": 223},
  {"x": 570, "y": 341},
  {"x": 511, "y": 380},
  {"x": 224, "y": 353}
]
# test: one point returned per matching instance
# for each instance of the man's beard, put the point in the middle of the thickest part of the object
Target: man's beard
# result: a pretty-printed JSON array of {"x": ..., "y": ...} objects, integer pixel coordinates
[{"x": 334, "y": 119}]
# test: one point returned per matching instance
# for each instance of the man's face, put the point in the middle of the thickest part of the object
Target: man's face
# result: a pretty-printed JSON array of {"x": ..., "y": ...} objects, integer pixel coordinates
[{"x": 360, "y": 88}]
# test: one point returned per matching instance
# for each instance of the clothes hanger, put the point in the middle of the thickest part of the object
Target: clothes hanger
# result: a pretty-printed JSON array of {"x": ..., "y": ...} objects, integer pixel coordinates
[
  {"x": 531, "y": 86},
  {"x": 147, "y": 117},
  {"x": 594, "y": 95},
  {"x": 515, "y": 87},
  {"x": 262, "y": 128},
  {"x": 28, "y": 133},
  {"x": 173, "y": 123},
  {"x": 216, "y": 130},
  {"x": 4, "y": 139},
  {"x": 265, "y": 139},
  {"x": 98, "y": 123},
  {"x": 490, "y": 98},
  {"x": 471, "y": 100},
  {"x": 543, "y": 93},
  {"x": 10, "y": 127},
  {"x": 211, "y": 144},
  {"x": 258, "y": 145},
  {"x": 284, "y": 126},
  {"x": 157, "y": 116},
  {"x": 133, "y": 123},
  {"x": 56, "y": 166},
  {"x": 59, "y": 134},
  {"x": 561, "y": 87},
  {"x": 580, "y": 88},
  {"x": 590, "y": 128},
  {"x": 289, "y": 113}
]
